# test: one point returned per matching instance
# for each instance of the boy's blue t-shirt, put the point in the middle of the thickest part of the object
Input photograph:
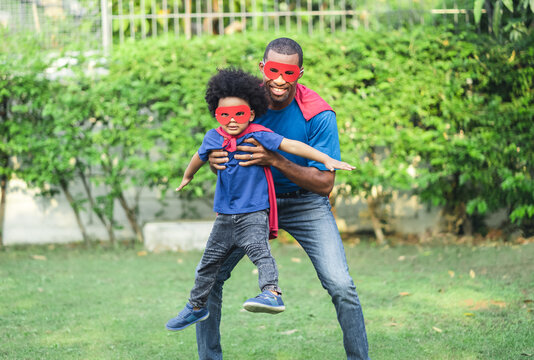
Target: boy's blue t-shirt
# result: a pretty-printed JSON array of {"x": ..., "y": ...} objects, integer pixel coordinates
[
  {"x": 240, "y": 189},
  {"x": 320, "y": 132}
]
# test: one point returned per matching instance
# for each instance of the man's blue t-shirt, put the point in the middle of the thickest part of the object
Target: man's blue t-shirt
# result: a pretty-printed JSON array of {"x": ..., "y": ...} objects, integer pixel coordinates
[
  {"x": 320, "y": 132},
  {"x": 240, "y": 189}
]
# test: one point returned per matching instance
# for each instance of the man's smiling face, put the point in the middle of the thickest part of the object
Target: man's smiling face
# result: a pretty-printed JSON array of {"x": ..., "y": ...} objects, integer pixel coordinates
[{"x": 280, "y": 91}]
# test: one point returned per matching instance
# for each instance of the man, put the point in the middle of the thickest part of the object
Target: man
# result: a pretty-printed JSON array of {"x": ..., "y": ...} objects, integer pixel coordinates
[{"x": 302, "y": 189}]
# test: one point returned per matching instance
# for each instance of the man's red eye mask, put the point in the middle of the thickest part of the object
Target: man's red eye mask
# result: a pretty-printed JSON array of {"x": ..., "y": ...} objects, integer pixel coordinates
[
  {"x": 240, "y": 113},
  {"x": 273, "y": 70}
]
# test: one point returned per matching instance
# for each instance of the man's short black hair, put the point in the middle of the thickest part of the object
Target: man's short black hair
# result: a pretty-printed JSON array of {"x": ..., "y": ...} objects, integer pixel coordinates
[
  {"x": 234, "y": 82},
  {"x": 284, "y": 46}
]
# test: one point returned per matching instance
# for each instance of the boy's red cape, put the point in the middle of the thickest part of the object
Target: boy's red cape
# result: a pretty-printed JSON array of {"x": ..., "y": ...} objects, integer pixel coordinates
[{"x": 229, "y": 144}]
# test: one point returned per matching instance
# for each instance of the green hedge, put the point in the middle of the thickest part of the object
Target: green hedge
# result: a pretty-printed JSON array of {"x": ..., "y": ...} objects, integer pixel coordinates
[{"x": 445, "y": 115}]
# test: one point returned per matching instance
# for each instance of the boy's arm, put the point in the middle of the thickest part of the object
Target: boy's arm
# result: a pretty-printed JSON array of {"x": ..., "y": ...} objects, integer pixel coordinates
[
  {"x": 300, "y": 149},
  {"x": 194, "y": 165}
]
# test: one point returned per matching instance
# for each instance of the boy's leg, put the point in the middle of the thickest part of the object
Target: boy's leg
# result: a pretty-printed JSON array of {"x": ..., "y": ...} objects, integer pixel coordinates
[
  {"x": 208, "y": 334},
  {"x": 220, "y": 243},
  {"x": 309, "y": 219},
  {"x": 217, "y": 247},
  {"x": 252, "y": 234}
]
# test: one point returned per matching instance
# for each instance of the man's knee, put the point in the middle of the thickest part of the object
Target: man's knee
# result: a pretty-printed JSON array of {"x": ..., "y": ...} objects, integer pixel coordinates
[{"x": 340, "y": 286}]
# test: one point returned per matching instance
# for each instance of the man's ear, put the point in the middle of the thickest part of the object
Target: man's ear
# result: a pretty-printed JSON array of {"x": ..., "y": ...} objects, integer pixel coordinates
[
  {"x": 301, "y": 72},
  {"x": 261, "y": 65}
]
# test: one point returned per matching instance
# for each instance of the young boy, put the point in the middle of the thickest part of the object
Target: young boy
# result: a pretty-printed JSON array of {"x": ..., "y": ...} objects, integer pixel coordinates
[{"x": 244, "y": 196}]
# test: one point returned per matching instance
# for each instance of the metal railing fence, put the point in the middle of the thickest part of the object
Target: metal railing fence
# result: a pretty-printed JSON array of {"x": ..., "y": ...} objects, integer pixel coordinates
[
  {"x": 99, "y": 24},
  {"x": 139, "y": 19},
  {"x": 57, "y": 23}
]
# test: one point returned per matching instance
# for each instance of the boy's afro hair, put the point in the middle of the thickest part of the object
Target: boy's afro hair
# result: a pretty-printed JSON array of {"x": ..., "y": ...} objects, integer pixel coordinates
[{"x": 234, "y": 82}]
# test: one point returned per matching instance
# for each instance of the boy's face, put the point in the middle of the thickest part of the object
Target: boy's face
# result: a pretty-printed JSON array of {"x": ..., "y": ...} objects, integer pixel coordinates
[
  {"x": 233, "y": 127},
  {"x": 281, "y": 91}
]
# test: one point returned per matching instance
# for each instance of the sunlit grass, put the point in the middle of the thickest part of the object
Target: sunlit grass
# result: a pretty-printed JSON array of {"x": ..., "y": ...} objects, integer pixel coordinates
[{"x": 419, "y": 302}]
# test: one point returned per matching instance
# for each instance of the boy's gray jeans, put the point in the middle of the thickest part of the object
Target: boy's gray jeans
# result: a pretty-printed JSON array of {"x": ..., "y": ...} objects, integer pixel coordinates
[{"x": 250, "y": 232}]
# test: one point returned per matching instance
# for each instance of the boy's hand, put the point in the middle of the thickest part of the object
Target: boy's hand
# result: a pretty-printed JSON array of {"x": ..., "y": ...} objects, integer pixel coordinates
[
  {"x": 332, "y": 165},
  {"x": 184, "y": 182}
]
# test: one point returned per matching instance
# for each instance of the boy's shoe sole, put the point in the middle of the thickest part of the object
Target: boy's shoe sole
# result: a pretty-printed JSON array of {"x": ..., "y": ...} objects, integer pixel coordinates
[
  {"x": 194, "y": 322},
  {"x": 262, "y": 308}
]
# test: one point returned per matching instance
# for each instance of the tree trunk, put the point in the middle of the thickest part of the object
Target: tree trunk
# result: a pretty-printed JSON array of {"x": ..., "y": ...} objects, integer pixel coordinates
[
  {"x": 489, "y": 15},
  {"x": 4, "y": 109},
  {"x": 132, "y": 218},
  {"x": 3, "y": 194},
  {"x": 467, "y": 224},
  {"x": 372, "y": 205},
  {"x": 107, "y": 226},
  {"x": 72, "y": 202},
  {"x": 130, "y": 213}
]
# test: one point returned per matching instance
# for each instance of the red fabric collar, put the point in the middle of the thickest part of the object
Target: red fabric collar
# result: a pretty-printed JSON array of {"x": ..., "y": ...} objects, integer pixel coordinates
[
  {"x": 309, "y": 102},
  {"x": 229, "y": 143}
]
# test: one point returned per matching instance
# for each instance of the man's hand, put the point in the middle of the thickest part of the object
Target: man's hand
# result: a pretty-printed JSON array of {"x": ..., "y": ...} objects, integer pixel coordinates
[
  {"x": 216, "y": 158},
  {"x": 257, "y": 154},
  {"x": 310, "y": 178}
]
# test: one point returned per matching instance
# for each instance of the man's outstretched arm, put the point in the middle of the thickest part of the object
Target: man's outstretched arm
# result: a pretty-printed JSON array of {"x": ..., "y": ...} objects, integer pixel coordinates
[{"x": 309, "y": 178}]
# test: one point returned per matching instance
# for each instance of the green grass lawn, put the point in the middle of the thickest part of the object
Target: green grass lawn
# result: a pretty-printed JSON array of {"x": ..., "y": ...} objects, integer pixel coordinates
[{"x": 419, "y": 302}]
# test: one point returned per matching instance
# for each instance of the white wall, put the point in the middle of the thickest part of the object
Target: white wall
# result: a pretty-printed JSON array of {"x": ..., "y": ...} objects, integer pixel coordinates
[
  {"x": 32, "y": 219},
  {"x": 405, "y": 215}
]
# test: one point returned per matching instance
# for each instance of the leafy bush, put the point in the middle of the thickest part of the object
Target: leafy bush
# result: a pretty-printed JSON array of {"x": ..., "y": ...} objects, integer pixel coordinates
[
  {"x": 23, "y": 93},
  {"x": 445, "y": 115}
]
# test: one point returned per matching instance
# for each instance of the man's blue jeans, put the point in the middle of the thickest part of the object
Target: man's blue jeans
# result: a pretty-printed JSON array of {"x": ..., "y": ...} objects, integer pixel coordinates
[{"x": 309, "y": 220}]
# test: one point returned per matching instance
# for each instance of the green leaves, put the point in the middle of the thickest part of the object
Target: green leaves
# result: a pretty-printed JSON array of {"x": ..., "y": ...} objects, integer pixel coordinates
[
  {"x": 451, "y": 118},
  {"x": 509, "y": 4},
  {"x": 512, "y": 19},
  {"x": 446, "y": 116},
  {"x": 478, "y": 10},
  {"x": 522, "y": 212},
  {"x": 477, "y": 205}
]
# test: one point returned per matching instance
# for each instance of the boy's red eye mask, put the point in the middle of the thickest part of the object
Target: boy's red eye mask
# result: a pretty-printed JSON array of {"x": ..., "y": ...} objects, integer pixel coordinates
[
  {"x": 240, "y": 113},
  {"x": 289, "y": 73}
]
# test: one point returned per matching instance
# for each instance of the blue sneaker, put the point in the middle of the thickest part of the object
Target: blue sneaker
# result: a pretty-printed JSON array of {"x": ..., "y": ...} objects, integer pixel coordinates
[
  {"x": 265, "y": 302},
  {"x": 187, "y": 317}
]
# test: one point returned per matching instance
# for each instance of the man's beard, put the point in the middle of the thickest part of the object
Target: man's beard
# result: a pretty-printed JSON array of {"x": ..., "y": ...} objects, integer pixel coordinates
[{"x": 277, "y": 99}]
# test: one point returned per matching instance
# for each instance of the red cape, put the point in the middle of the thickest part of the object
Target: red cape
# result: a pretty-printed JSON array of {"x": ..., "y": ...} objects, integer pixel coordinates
[{"x": 309, "y": 102}]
